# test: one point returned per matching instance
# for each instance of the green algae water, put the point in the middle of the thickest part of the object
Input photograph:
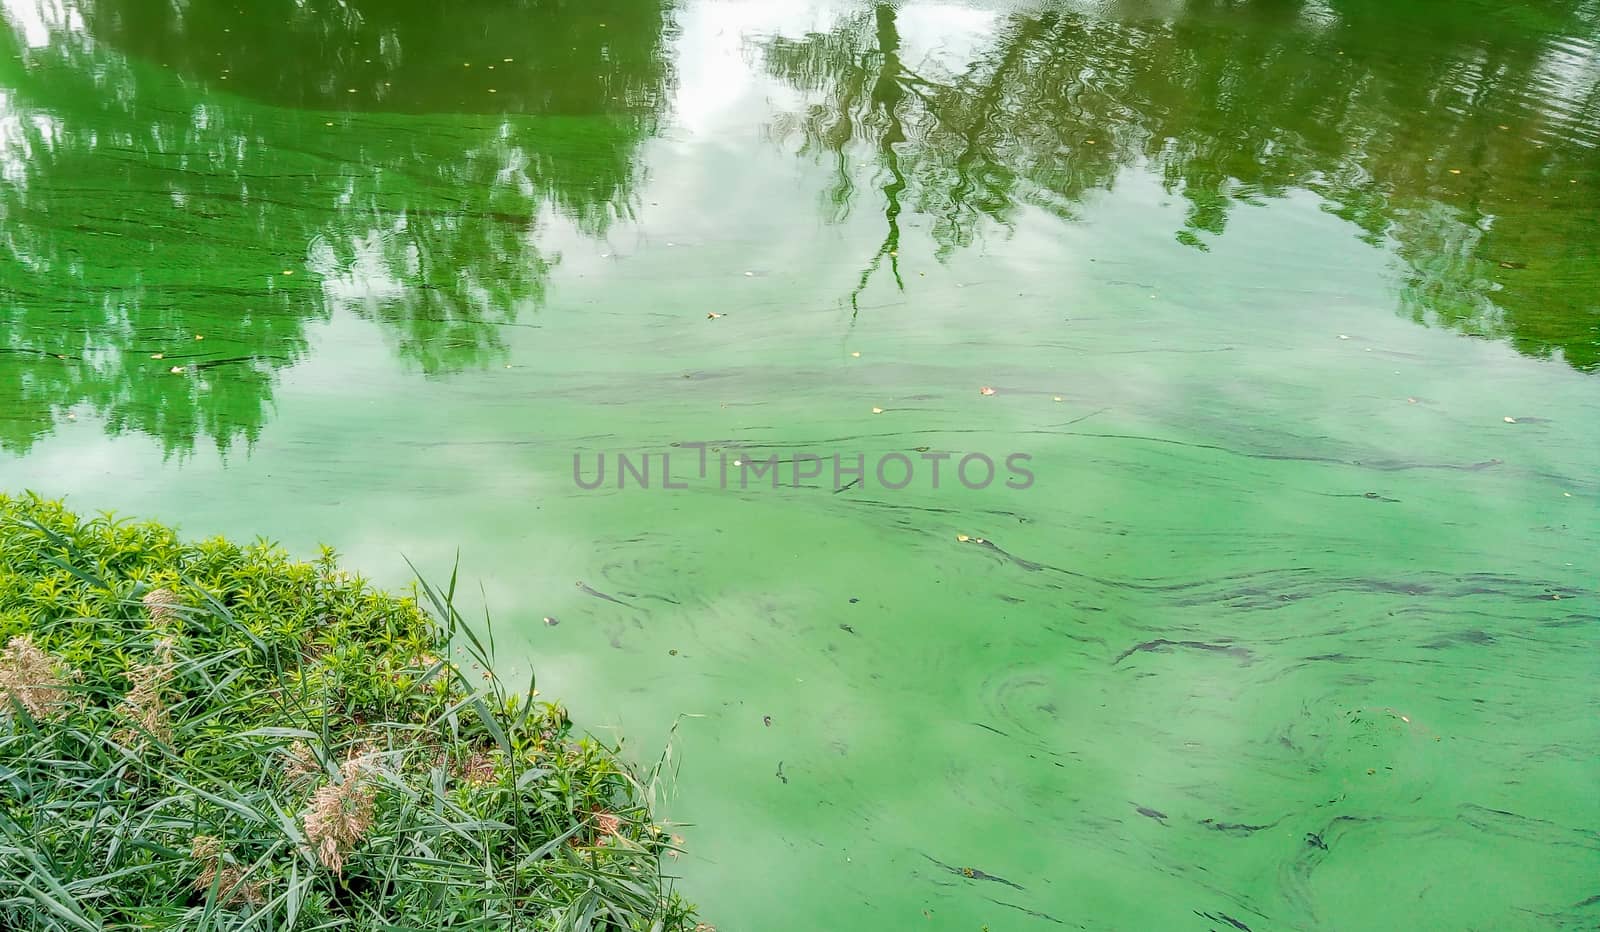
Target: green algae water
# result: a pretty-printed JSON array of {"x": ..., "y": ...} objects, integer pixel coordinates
[{"x": 1278, "y": 323}]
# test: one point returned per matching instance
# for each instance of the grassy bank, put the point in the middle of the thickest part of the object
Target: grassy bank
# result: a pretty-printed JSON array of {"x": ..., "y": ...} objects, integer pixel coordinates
[{"x": 213, "y": 736}]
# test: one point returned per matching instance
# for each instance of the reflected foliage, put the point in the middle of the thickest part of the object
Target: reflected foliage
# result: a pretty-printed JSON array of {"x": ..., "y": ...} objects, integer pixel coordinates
[
  {"x": 1467, "y": 137},
  {"x": 174, "y": 198}
]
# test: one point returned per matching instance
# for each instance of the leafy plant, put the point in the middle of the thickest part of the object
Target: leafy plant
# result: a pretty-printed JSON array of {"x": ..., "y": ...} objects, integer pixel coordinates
[{"x": 213, "y": 736}]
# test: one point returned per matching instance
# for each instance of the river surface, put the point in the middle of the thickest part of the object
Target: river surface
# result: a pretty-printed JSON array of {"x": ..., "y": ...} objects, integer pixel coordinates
[{"x": 1256, "y": 344}]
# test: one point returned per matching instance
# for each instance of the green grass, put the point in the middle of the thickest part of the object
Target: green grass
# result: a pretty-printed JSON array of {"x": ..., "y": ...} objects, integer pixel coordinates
[{"x": 213, "y": 736}]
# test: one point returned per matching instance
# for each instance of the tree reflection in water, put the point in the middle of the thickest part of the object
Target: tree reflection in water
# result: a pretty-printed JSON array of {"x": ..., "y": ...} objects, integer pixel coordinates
[
  {"x": 1468, "y": 139},
  {"x": 166, "y": 175}
]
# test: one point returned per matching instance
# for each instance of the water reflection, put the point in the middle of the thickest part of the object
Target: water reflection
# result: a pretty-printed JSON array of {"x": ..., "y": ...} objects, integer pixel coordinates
[
  {"x": 1468, "y": 138},
  {"x": 178, "y": 204}
]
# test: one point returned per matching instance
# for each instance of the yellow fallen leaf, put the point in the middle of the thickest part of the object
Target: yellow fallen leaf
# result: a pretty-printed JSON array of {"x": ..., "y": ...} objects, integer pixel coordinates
[
  {"x": 1058, "y": 398},
  {"x": 856, "y": 354},
  {"x": 158, "y": 356},
  {"x": 198, "y": 337},
  {"x": 1455, "y": 171},
  {"x": 877, "y": 410},
  {"x": 176, "y": 370},
  {"x": 963, "y": 538}
]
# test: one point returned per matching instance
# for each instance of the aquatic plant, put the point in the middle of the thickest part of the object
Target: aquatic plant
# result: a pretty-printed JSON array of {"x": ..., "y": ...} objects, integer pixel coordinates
[{"x": 209, "y": 736}]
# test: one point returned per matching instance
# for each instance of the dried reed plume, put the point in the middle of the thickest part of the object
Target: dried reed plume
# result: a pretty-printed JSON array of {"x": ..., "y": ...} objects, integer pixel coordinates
[
  {"x": 162, "y": 605},
  {"x": 607, "y": 825},
  {"x": 341, "y": 813},
  {"x": 32, "y": 678},
  {"x": 302, "y": 762},
  {"x": 146, "y": 702},
  {"x": 228, "y": 878}
]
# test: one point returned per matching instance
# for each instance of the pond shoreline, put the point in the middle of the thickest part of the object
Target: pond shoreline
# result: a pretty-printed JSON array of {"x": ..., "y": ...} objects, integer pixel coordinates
[{"x": 214, "y": 733}]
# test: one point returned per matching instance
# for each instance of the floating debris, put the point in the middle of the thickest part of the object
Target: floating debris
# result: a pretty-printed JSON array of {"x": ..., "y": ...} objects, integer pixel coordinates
[
  {"x": 551, "y": 620},
  {"x": 1149, "y": 813},
  {"x": 1161, "y": 645},
  {"x": 586, "y": 590},
  {"x": 877, "y": 410},
  {"x": 972, "y": 873},
  {"x": 986, "y": 390},
  {"x": 766, "y": 720},
  {"x": 715, "y": 316}
]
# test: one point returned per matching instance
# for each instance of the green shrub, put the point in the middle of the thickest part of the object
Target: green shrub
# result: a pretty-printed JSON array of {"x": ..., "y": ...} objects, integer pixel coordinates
[{"x": 208, "y": 736}]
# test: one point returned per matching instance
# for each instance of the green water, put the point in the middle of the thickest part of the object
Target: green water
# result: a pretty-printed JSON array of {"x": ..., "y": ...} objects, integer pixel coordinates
[{"x": 1292, "y": 628}]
